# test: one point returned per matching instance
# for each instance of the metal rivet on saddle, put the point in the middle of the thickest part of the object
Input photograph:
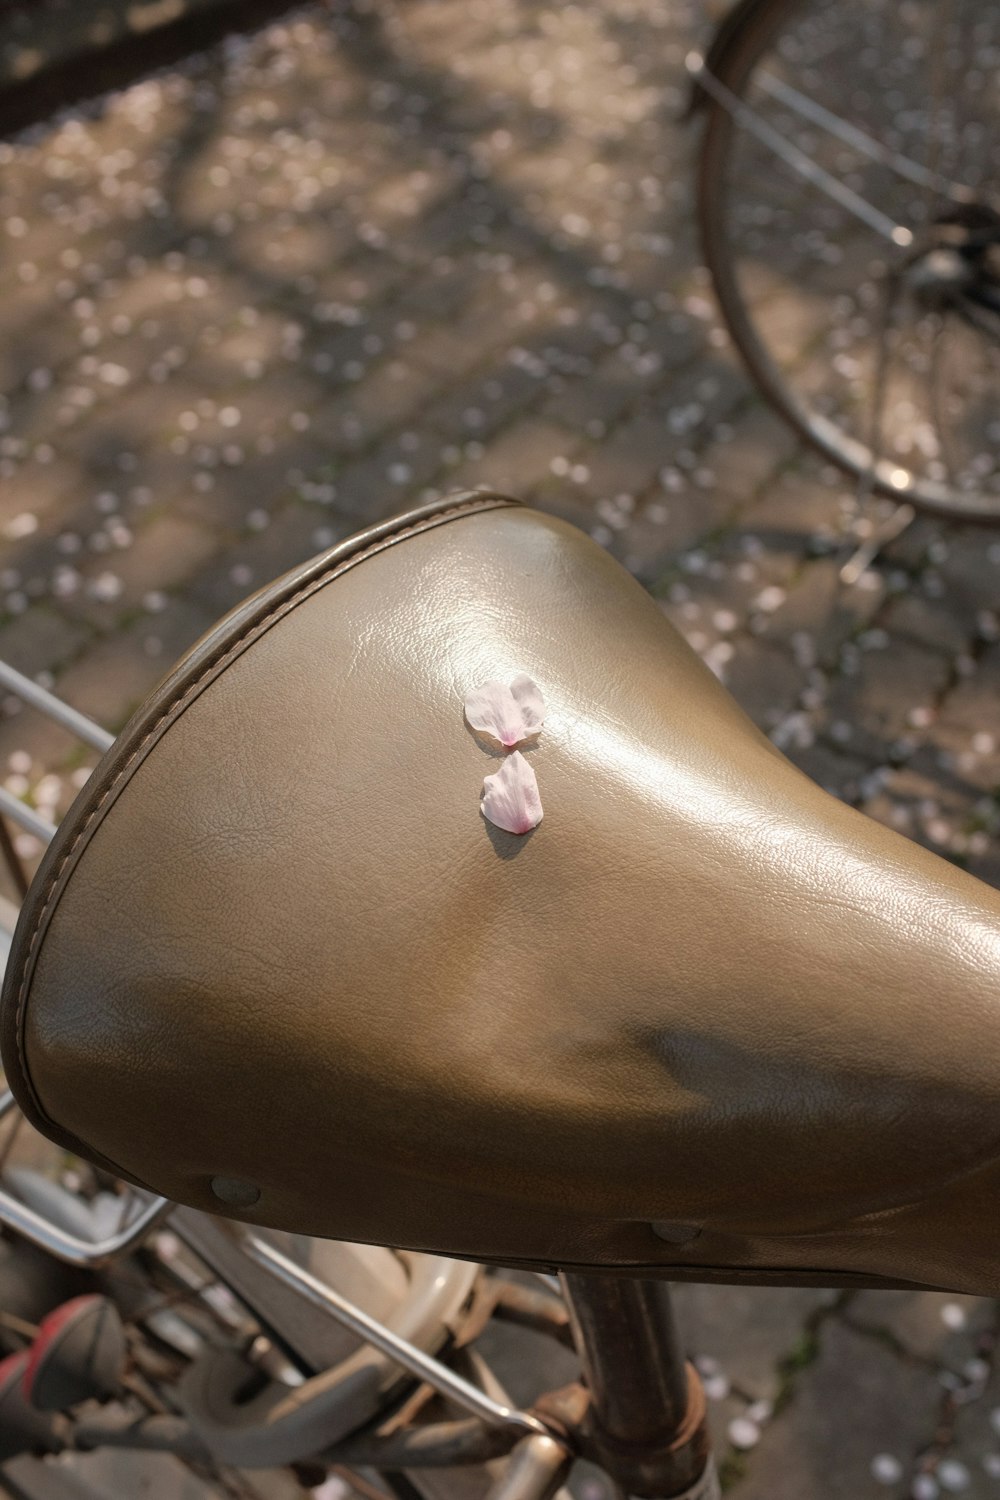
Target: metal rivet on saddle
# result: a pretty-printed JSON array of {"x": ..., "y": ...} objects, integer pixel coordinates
[{"x": 235, "y": 1192}]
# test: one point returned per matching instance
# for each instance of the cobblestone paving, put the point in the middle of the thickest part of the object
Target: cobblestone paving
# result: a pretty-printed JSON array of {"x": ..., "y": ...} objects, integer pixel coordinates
[{"x": 350, "y": 263}]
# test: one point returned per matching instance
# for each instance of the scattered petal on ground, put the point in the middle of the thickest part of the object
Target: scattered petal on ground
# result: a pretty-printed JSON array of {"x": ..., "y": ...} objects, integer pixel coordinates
[
  {"x": 743, "y": 1433},
  {"x": 886, "y": 1468},
  {"x": 953, "y": 1476}
]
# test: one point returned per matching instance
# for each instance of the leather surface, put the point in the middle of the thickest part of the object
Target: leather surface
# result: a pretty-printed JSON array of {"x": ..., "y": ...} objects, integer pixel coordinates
[{"x": 277, "y": 942}]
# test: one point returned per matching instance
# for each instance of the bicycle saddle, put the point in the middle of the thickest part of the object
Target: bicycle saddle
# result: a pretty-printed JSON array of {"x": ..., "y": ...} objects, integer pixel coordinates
[{"x": 703, "y": 1021}]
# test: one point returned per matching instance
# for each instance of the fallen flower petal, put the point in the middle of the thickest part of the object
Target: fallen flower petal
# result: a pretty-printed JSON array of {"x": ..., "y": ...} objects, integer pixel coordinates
[
  {"x": 509, "y": 714},
  {"x": 528, "y": 696},
  {"x": 510, "y": 796}
]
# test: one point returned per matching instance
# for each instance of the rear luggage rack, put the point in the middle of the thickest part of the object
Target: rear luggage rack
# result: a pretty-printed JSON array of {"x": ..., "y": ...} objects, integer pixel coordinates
[{"x": 142, "y": 1210}]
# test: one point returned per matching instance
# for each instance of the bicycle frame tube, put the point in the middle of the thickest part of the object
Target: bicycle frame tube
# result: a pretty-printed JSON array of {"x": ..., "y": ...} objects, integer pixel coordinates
[{"x": 646, "y": 1423}]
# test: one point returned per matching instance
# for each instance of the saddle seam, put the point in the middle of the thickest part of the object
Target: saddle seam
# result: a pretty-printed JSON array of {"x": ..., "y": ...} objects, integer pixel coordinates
[{"x": 56, "y": 883}]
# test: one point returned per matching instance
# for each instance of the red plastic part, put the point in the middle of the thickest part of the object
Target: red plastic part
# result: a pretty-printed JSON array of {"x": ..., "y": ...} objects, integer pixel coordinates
[
  {"x": 8, "y": 1365},
  {"x": 52, "y": 1324}
]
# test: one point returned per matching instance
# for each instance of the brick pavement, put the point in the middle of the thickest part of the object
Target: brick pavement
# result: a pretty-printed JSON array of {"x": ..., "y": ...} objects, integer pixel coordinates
[{"x": 344, "y": 265}]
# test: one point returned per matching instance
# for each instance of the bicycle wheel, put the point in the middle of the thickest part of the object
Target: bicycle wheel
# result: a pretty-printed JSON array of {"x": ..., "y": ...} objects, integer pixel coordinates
[{"x": 849, "y": 201}]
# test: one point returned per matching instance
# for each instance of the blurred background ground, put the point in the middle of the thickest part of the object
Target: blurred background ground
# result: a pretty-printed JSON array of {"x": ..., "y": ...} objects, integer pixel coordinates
[{"x": 360, "y": 257}]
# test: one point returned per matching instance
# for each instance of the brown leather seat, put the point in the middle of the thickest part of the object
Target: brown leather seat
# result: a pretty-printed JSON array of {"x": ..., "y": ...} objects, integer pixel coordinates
[{"x": 704, "y": 1021}]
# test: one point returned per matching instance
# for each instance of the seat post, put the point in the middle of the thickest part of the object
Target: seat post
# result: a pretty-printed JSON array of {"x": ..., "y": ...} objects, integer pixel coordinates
[{"x": 646, "y": 1423}]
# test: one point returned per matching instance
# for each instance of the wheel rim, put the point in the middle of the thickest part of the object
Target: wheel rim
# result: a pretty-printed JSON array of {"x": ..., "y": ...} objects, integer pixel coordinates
[{"x": 812, "y": 294}]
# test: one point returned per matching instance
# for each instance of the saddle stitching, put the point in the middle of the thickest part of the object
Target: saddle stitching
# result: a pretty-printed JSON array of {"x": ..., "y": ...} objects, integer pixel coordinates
[{"x": 53, "y": 888}]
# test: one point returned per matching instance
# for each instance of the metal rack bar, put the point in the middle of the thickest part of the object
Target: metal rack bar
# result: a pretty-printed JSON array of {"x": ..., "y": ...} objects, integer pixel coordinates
[
  {"x": 424, "y": 1366},
  {"x": 47, "y": 703},
  {"x": 19, "y": 812},
  {"x": 67, "y": 1247}
]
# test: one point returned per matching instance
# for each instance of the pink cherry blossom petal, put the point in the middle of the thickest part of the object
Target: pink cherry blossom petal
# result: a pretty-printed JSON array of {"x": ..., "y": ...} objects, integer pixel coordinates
[
  {"x": 528, "y": 696},
  {"x": 509, "y": 714},
  {"x": 510, "y": 796}
]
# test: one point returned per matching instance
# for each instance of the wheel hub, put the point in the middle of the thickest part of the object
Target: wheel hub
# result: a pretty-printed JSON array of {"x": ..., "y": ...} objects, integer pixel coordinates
[
  {"x": 961, "y": 264},
  {"x": 940, "y": 276}
]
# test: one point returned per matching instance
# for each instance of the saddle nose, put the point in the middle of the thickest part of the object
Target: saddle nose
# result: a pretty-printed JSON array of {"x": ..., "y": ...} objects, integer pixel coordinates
[{"x": 702, "y": 1020}]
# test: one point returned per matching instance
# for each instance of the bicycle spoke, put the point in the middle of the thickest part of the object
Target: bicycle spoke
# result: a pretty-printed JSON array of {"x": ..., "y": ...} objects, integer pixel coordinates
[
  {"x": 935, "y": 390},
  {"x": 904, "y": 514},
  {"x": 888, "y": 110},
  {"x": 808, "y": 109},
  {"x": 800, "y": 162}
]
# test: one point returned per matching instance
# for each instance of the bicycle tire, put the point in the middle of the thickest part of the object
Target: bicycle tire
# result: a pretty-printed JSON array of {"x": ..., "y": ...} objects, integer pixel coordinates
[{"x": 751, "y": 33}]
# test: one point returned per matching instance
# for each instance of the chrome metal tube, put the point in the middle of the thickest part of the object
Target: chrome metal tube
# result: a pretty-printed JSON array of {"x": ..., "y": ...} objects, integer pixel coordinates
[
  {"x": 69, "y": 1247},
  {"x": 19, "y": 812},
  {"x": 41, "y": 1231},
  {"x": 534, "y": 1471},
  {"x": 422, "y": 1365},
  {"x": 47, "y": 703}
]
